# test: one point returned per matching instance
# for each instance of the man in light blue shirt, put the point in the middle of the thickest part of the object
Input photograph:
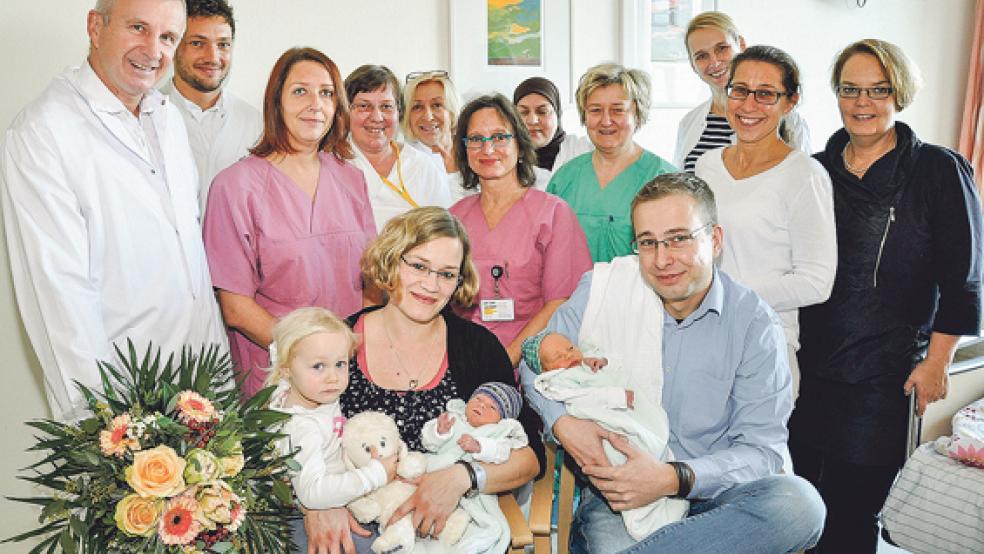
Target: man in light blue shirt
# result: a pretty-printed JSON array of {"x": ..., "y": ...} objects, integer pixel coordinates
[{"x": 726, "y": 391}]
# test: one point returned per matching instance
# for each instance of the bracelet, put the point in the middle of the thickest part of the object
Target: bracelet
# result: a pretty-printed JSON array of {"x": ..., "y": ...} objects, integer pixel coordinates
[
  {"x": 481, "y": 478},
  {"x": 685, "y": 479},
  {"x": 473, "y": 490}
]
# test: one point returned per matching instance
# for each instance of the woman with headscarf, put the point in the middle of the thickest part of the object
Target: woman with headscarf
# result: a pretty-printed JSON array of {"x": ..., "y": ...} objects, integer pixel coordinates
[{"x": 538, "y": 102}]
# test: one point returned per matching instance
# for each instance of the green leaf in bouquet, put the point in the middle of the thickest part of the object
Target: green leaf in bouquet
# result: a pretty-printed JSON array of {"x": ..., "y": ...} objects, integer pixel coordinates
[
  {"x": 282, "y": 491},
  {"x": 49, "y": 528},
  {"x": 222, "y": 547},
  {"x": 91, "y": 426},
  {"x": 67, "y": 542}
]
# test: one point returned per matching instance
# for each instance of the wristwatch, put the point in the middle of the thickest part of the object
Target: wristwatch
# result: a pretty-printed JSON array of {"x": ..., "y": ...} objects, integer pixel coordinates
[{"x": 476, "y": 474}]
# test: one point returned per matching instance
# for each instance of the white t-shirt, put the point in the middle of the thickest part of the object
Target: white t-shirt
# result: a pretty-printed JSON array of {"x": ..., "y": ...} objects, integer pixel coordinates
[{"x": 779, "y": 235}]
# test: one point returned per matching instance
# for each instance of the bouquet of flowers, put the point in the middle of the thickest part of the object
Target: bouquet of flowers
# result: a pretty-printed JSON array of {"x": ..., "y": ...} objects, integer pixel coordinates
[{"x": 169, "y": 462}]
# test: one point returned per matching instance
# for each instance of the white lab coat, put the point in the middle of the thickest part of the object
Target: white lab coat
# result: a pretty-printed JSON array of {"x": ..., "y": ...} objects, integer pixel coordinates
[
  {"x": 220, "y": 136},
  {"x": 104, "y": 243},
  {"x": 692, "y": 126}
]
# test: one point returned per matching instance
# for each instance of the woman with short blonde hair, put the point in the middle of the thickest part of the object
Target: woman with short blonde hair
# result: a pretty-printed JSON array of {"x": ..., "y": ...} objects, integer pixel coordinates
[
  {"x": 431, "y": 111},
  {"x": 613, "y": 102},
  {"x": 907, "y": 286}
]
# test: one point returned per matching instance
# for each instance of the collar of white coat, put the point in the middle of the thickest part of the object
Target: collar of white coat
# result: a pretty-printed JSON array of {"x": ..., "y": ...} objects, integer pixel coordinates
[
  {"x": 175, "y": 95},
  {"x": 102, "y": 99}
]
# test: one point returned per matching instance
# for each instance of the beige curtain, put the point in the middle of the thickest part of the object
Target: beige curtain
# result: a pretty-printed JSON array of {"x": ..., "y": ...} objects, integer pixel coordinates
[{"x": 972, "y": 127}]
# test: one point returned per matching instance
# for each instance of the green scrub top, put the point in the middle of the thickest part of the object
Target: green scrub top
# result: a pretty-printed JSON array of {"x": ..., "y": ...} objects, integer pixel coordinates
[{"x": 605, "y": 213}]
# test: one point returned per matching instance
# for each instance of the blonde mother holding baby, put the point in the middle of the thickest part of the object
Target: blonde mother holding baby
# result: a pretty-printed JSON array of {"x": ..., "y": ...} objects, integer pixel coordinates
[{"x": 415, "y": 356}]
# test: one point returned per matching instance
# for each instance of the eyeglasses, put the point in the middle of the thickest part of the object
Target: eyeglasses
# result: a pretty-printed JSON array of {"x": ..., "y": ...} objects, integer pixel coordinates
[
  {"x": 677, "y": 243},
  {"x": 369, "y": 107},
  {"x": 432, "y": 74},
  {"x": 875, "y": 93},
  {"x": 477, "y": 142},
  {"x": 444, "y": 277},
  {"x": 762, "y": 95}
]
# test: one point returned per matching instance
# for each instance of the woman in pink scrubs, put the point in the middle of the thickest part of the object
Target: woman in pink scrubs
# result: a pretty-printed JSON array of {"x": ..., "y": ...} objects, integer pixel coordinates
[
  {"x": 285, "y": 227},
  {"x": 528, "y": 245}
]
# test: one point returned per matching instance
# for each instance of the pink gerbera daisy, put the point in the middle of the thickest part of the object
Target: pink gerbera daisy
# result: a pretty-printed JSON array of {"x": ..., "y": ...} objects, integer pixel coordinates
[
  {"x": 178, "y": 522},
  {"x": 194, "y": 407},
  {"x": 113, "y": 441}
]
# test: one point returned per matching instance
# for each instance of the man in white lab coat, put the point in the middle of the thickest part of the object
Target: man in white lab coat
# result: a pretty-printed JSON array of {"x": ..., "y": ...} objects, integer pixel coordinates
[
  {"x": 221, "y": 127},
  {"x": 99, "y": 192}
]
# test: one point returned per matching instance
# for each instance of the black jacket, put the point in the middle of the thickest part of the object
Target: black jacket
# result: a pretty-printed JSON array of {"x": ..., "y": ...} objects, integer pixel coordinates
[{"x": 909, "y": 243}]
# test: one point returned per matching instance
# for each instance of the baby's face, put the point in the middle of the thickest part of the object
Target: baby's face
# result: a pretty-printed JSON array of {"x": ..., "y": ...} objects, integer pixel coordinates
[
  {"x": 556, "y": 352},
  {"x": 482, "y": 410}
]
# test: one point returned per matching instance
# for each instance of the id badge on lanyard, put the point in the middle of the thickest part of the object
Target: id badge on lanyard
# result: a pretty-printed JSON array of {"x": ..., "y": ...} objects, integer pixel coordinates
[{"x": 498, "y": 308}]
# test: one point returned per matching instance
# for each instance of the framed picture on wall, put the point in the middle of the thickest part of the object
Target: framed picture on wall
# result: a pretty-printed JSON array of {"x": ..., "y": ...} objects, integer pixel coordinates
[
  {"x": 496, "y": 44},
  {"x": 653, "y": 39}
]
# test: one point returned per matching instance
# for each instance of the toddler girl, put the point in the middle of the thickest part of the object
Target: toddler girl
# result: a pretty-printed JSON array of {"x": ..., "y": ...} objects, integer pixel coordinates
[{"x": 310, "y": 361}]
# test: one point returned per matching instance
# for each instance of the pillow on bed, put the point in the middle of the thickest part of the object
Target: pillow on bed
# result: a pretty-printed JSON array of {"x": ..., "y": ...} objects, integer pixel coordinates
[{"x": 967, "y": 442}]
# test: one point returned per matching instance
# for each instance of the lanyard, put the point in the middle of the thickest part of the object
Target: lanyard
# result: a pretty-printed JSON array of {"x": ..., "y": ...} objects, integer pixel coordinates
[{"x": 402, "y": 189}]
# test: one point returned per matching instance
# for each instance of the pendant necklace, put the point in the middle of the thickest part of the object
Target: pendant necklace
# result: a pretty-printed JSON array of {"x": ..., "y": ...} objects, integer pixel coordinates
[{"x": 412, "y": 382}]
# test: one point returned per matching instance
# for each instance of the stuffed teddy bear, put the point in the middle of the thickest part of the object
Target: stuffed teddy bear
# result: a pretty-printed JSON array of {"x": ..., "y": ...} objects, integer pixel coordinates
[{"x": 374, "y": 435}]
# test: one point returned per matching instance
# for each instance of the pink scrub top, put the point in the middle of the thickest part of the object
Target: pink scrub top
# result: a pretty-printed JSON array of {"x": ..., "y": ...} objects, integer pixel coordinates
[
  {"x": 541, "y": 248},
  {"x": 265, "y": 238}
]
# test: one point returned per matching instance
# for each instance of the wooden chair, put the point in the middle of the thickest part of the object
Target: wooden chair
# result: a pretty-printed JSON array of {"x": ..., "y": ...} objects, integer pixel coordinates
[{"x": 538, "y": 531}]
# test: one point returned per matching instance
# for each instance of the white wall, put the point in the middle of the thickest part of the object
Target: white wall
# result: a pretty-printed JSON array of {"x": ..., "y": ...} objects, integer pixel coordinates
[{"x": 40, "y": 38}]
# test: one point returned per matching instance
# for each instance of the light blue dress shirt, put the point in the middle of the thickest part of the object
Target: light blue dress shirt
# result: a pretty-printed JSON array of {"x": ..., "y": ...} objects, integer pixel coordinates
[{"x": 727, "y": 386}]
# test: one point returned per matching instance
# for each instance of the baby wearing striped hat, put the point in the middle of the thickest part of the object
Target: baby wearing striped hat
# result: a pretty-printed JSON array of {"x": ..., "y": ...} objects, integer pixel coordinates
[{"x": 484, "y": 429}]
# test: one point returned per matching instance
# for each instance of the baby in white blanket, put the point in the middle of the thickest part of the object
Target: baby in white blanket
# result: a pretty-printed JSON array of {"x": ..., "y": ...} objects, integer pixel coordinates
[{"x": 592, "y": 388}]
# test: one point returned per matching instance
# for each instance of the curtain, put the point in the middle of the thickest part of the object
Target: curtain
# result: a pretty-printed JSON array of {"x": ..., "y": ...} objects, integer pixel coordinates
[{"x": 972, "y": 126}]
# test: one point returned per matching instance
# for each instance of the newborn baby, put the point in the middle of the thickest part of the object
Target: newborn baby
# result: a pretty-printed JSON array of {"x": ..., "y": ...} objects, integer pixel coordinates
[{"x": 593, "y": 389}]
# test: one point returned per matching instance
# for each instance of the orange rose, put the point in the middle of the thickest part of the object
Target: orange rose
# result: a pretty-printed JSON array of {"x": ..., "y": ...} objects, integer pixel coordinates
[
  {"x": 156, "y": 472},
  {"x": 136, "y": 516}
]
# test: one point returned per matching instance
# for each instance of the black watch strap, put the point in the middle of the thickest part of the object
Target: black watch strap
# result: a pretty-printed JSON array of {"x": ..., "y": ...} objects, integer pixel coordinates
[{"x": 473, "y": 490}]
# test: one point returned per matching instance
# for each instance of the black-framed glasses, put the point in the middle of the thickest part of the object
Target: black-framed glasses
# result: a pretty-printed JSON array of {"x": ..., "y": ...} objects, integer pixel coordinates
[
  {"x": 676, "y": 243},
  {"x": 444, "y": 276},
  {"x": 762, "y": 96},
  {"x": 875, "y": 93},
  {"x": 477, "y": 142},
  {"x": 430, "y": 74}
]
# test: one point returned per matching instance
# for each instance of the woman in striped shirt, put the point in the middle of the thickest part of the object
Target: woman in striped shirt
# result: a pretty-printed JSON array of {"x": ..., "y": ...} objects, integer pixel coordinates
[{"x": 712, "y": 41}]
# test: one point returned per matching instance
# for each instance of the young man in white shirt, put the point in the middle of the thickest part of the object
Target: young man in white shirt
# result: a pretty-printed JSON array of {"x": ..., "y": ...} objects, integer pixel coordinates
[{"x": 221, "y": 126}]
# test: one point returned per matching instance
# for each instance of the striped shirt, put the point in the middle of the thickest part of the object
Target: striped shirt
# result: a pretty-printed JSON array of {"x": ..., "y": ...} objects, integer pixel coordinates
[{"x": 717, "y": 133}]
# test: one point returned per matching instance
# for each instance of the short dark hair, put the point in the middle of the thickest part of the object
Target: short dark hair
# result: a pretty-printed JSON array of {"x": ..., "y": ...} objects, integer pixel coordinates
[
  {"x": 370, "y": 78},
  {"x": 212, "y": 8},
  {"x": 680, "y": 183},
  {"x": 527, "y": 152},
  {"x": 275, "y": 139}
]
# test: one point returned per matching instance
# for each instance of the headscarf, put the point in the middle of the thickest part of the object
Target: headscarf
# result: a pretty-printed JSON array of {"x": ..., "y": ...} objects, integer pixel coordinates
[{"x": 546, "y": 155}]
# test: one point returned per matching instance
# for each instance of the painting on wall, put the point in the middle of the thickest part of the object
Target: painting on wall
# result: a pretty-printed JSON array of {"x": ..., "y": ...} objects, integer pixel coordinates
[
  {"x": 496, "y": 44},
  {"x": 515, "y": 34}
]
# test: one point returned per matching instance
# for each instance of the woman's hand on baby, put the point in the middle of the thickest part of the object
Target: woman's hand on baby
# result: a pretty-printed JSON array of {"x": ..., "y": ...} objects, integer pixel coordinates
[
  {"x": 468, "y": 443},
  {"x": 595, "y": 363},
  {"x": 444, "y": 423},
  {"x": 389, "y": 464},
  {"x": 436, "y": 497}
]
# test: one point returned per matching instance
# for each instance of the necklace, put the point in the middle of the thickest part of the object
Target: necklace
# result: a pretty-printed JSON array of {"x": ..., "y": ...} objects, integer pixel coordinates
[
  {"x": 860, "y": 171},
  {"x": 412, "y": 382}
]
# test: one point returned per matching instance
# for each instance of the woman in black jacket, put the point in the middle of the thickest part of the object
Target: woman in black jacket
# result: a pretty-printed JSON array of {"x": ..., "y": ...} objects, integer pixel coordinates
[{"x": 908, "y": 285}]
